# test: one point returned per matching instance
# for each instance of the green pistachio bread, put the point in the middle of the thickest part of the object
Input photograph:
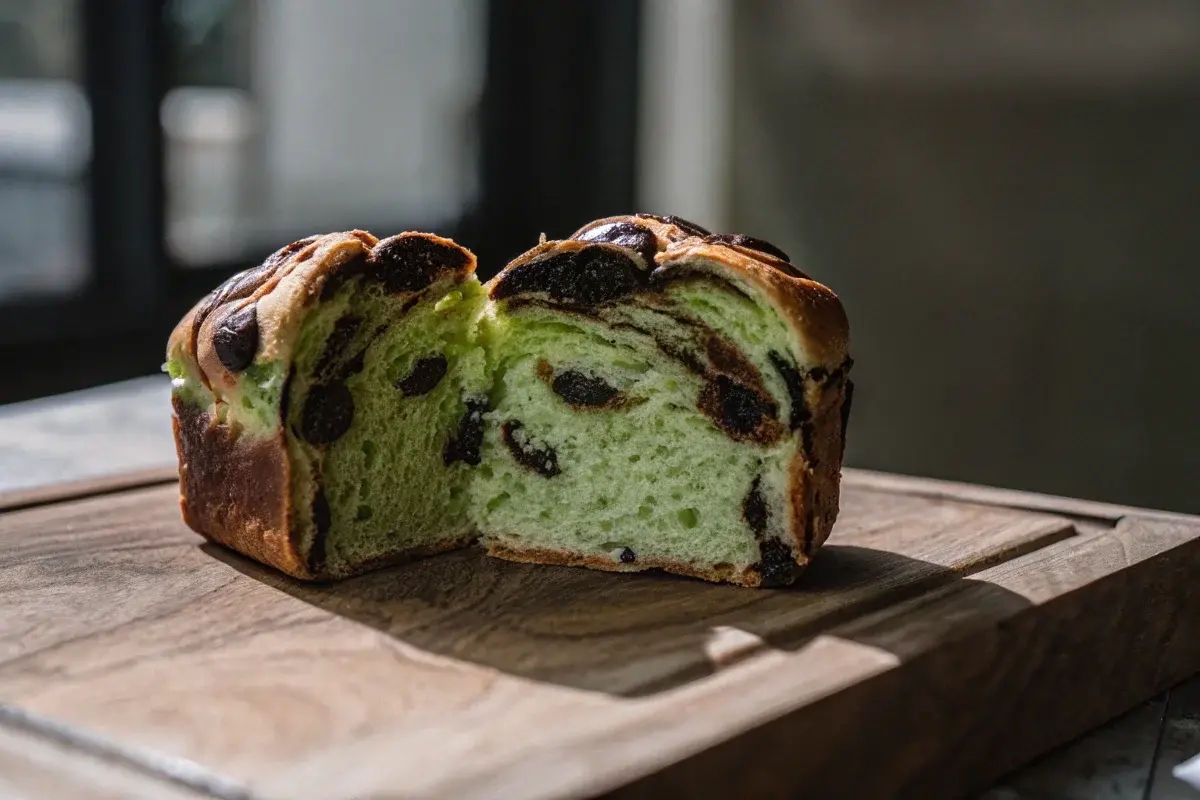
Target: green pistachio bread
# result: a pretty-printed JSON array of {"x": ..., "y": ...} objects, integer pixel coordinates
[
  {"x": 642, "y": 395},
  {"x": 327, "y": 403},
  {"x": 663, "y": 398}
]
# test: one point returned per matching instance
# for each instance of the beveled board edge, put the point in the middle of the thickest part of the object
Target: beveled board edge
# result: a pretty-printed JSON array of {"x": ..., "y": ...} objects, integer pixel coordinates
[
  {"x": 148, "y": 763},
  {"x": 48, "y": 494},
  {"x": 938, "y": 489},
  {"x": 1150, "y": 599}
]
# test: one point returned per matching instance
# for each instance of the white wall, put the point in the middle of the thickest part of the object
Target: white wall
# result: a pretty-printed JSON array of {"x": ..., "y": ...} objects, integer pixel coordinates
[
  {"x": 367, "y": 109},
  {"x": 685, "y": 129}
]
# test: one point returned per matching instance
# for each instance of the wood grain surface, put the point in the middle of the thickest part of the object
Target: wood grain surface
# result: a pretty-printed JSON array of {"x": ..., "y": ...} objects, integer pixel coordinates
[{"x": 919, "y": 657}]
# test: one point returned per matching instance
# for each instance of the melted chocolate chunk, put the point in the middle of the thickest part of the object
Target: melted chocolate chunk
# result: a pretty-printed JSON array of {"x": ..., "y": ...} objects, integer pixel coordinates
[
  {"x": 799, "y": 412},
  {"x": 749, "y": 242},
  {"x": 426, "y": 374},
  {"x": 728, "y": 358},
  {"x": 236, "y": 339},
  {"x": 588, "y": 277},
  {"x": 584, "y": 390},
  {"x": 284, "y": 253},
  {"x": 685, "y": 226},
  {"x": 328, "y": 412},
  {"x": 245, "y": 283},
  {"x": 465, "y": 443},
  {"x": 542, "y": 460},
  {"x": 353, "y": 366},
  {"x": 688, "y": 358},
  {"x": 626, "y": 234},
  {"x": 342, "y": 274},
  {"x": 344, "y": 331},
  {"x": 412, "y": 263},
  {"x": 628, "y": 556},
  {"x": 777, "y": 567},
  {"x": 754, "y": 508},
  {"x": 736, "y": 408},
  {"x": 818, "y": 374},
  {"x": 322, "y": 521}
]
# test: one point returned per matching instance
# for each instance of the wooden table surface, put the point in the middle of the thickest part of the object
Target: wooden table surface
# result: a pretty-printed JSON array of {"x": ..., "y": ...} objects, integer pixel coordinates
[{"x": 125, "y": 427}]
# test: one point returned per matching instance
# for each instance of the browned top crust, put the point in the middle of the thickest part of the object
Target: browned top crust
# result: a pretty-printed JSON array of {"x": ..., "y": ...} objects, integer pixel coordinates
[
  {"x": 617, "y": 256},
  {"x": 811, "y": 309},
  {"x": 236, "y": 488},
  {"x": 257, "y": 313}
]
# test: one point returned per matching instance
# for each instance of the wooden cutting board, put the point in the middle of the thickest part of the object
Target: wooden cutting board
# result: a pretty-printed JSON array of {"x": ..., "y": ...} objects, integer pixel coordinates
[{"x": 946, "y": 635}]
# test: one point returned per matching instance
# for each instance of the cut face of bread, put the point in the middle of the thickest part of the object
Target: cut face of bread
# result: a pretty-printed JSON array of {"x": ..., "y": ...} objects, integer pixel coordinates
[
  {"x": 328, "y": 403},
  {"x": 642, "y": 395},
  {"x": 664, "y": 399}
]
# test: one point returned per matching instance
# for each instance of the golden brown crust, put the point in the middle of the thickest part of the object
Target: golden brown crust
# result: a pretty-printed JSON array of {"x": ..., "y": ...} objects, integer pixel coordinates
[
  {"x": 720, "y": 573},
  {"x": 235, "y": 486},
  {"x": 815, "y": 489},
  {"x": 234, "y": 489}
]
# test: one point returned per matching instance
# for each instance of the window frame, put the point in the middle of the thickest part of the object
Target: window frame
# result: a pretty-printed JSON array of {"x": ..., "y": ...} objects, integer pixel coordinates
[{"x": 557, "y": 148}]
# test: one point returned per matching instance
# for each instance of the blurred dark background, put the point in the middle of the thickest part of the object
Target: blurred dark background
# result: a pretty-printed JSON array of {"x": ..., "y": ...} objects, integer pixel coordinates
[{"x": 1003, "y": 193}]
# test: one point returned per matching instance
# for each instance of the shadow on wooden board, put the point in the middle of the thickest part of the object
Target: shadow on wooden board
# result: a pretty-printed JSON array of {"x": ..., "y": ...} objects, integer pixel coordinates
[{"x": 630, "y": 635}]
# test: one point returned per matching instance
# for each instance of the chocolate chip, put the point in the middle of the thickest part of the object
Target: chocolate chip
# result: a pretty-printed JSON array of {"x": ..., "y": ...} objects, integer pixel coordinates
[
  {"x": 736, "y": 408},
  {"x": 342, "y": 274},
  {"x": 583, "y": 390},
  {"x": 799, "y": 412},
  {"x": 542, "y": 460},
  {"x": 749, "y": 242},
  {"x": 344, "y": 331},
  {"x": 626, "y": 234},
  {"x": 628, "y": 556},
  {"x": 587, "y": 277},
  {"x": 353, "y": 366},
  {"x": 236, "y": 339},
  {"x": 464, "y": 445},
  {"x": 777, "y": 565},
  {"x": 685, "y": 226},
  {"x": 322, "y": 521},
  {"x": 818, "y": 374},
  {"x": 754, "y": 508},
  {"x": 426, "y": 374},
  {"x": 412, "y": 263},
  {"x": 328, "y": 412}
]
